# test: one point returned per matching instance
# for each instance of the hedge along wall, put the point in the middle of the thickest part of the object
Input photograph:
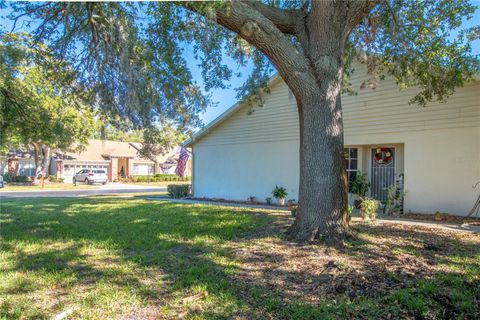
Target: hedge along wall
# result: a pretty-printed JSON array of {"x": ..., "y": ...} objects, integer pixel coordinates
[{"x": 159, "y": 178}]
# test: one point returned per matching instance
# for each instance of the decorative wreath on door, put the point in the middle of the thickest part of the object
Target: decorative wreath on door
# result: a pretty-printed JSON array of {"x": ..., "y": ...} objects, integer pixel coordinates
[{"x": 383, "y": 156}]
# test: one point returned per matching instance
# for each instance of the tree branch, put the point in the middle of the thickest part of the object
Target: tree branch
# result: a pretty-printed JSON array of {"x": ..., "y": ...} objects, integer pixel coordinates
[
  {"x": 357, "y": 10},
  {"x": 284, "y": 19},
  {"x": 255, "y": 28},
  {"x": 26, "y": 13},
  {"x": 404, "y": 26}
]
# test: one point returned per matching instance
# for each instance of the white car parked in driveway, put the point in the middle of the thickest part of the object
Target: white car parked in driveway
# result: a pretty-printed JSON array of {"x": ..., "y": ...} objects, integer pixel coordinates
[{"x": 90, "y": 176}]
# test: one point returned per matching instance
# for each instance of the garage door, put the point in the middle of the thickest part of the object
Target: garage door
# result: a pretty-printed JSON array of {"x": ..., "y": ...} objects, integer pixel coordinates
[{"x": 142, "y": 169}]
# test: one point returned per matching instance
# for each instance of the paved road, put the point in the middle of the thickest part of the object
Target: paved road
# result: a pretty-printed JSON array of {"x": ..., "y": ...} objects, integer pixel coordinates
[{"x": 111, "y": 188}]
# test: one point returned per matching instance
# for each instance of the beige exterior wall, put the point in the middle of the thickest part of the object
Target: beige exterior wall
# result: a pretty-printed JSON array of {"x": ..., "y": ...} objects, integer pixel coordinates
[
  {"x": 251, "y": 169},
  {"x": 437, "y": 147},
  {"x": 129, "y": 169},
  {"x": 114, "y": 169}
]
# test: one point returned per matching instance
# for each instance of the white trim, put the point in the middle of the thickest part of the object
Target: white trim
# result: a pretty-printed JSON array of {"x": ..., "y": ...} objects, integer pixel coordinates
[
  {"x": 143, "y": 162},
  {"x": 83, "y": 161},
  {"x": 114, "y": 155}
]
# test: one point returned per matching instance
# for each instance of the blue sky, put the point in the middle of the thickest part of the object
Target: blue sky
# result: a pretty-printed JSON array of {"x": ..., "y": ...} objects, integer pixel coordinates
[{"x": 224, "y": 98}]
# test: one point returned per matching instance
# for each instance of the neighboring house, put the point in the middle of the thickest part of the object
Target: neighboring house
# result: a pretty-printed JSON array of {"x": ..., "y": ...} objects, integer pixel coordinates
[
  {"x": 18, "y": 162},
  {"x": 120, "y": 159},
  {"x": 434, "y": 151}
]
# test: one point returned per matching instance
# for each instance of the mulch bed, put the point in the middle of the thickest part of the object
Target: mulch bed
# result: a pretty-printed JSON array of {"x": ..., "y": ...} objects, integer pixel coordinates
[
  {"x": 383, "y": 258},
  {"x": 236, "y": 202},
  {"x": 442, "y": 217},
  {"x": 439, "y": 217}
]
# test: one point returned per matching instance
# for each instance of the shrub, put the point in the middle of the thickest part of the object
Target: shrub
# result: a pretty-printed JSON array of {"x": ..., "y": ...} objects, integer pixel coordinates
[
  {"x": 349, "y": 212},
  {"x": 393, "y": 204},
  {"x": 293, "y": 207},
  {"x": 178, "y": 190},
  {"x": 369, "y": 208},
  {"x": 360, "y": 185},
  {"x": 8, "y": 177},
  {"x": 293, "y": 211},
  {"x": 160, "y": 178},
  {"x": 279, "y": 192},
  {"x": 268, "y": 200},
  {"x": 141, "y": 179},
  {"x": 52, "y": 178}
]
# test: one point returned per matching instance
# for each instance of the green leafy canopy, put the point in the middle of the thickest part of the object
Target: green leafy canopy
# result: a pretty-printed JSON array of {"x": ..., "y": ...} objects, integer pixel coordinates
[
  {"x": 132, "y": 54},
  {"x": 40, "y": 101}
]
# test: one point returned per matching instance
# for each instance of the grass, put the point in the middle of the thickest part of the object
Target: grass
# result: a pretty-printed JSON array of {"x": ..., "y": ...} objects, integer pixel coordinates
[
  {"x": 114, "y": 257},
  {"x": 53, "y": 186}
]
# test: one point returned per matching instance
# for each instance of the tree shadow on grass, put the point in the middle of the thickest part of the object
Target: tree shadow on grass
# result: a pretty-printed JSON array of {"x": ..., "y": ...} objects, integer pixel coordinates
[
  {"x": 388, "y": 270},
  {"x": 180, "y": 245},
  {"x": 215, "y": 263}
]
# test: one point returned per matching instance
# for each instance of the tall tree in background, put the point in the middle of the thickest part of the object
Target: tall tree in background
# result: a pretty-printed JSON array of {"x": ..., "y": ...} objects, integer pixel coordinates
[
  {"x": 40, "y": 103},
  {"x": 132, "y": 55},
  {"x": 105, "y": 130}
]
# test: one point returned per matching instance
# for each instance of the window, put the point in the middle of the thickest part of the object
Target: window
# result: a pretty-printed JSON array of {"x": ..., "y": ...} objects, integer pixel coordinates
[
  {"x": 26, "y": 168},
  {"x": 351, "y": 163}
]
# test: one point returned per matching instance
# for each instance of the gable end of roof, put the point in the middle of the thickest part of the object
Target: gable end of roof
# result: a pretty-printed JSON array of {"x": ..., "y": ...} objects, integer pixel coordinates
[{"x": 222, "y": 117}]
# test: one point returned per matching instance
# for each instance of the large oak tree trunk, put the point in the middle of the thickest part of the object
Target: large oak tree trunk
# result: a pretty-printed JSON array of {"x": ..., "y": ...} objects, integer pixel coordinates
[
  {"x": 322, "y": 211},
  {"x": 323, "y": 183}
]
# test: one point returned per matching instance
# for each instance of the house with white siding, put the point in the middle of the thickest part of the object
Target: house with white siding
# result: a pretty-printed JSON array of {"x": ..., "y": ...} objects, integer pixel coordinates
[{"x": 433, "y": 151}]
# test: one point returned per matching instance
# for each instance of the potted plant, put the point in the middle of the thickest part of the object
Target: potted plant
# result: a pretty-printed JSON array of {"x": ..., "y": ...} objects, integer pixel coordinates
[
  {"x": 280, "y": 193},
  {"x": 360, "y": 187}
]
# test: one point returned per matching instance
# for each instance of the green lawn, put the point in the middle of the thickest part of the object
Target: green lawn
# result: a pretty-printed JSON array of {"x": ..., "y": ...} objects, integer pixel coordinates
[
  {"x": 53, "y": 186},
  {"x": 108, "y": 257}
]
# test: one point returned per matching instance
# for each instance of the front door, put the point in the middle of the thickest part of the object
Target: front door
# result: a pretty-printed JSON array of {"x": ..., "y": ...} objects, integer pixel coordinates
[{"x": 382, "y": 172}]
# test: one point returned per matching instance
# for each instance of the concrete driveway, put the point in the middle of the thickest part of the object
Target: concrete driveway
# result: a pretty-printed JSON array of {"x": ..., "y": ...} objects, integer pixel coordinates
[{"x": 111, "y": 188}]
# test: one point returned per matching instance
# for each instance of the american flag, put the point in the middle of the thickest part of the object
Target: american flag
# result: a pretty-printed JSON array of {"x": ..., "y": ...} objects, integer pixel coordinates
[{"x": 182, "y": 162}]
